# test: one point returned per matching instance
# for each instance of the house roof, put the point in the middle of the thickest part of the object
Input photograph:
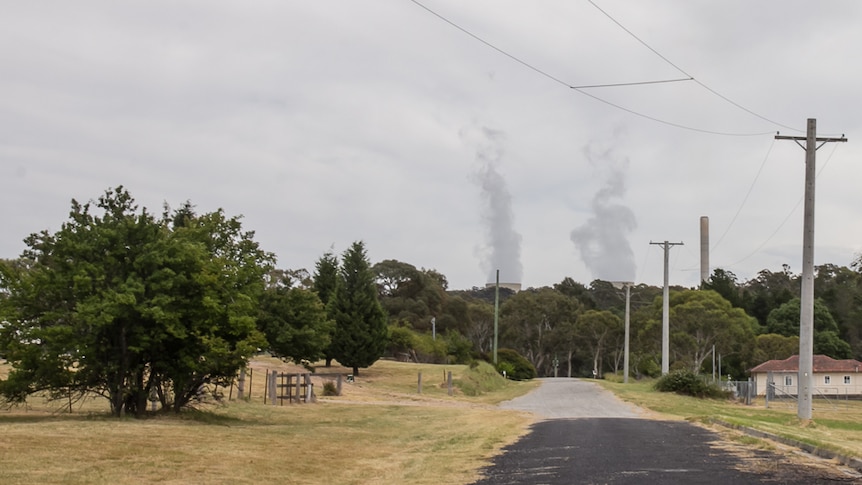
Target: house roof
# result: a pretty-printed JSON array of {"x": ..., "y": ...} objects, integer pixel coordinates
[{"x": 821, "y": 363}]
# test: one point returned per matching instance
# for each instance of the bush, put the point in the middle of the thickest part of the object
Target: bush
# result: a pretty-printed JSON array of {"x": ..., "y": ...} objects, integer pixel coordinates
[
  {"x": 521, "y": 369},
  {"x": 458, "y": 347},
  {"x": 478, "y": 378},
  {"x": 688, "y": 383},
  {"x": 329, "y": 389},
  {"x": 505, "y": 369}
]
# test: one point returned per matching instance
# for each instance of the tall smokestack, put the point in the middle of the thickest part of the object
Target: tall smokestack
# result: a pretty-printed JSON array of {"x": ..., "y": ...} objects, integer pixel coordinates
[{"x": 704, "y": 249}]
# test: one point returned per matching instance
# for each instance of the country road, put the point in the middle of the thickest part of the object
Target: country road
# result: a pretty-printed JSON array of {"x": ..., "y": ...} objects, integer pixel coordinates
[
  {"x": 585, "y": 435},
  {"x": 572, "y": 398}
]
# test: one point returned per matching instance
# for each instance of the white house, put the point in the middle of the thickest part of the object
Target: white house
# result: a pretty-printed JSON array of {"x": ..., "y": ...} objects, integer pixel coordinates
[{"x": 831, "y": 377}]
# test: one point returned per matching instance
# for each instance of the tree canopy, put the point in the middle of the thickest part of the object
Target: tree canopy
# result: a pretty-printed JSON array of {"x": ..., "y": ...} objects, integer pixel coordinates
[
  {"x": 295, "y": 323},
  {"x": 127, "y": 305},
  {"x": 361, "y": 332}
]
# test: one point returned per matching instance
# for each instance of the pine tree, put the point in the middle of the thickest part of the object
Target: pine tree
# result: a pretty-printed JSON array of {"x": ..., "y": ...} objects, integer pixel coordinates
[
  {"x": 361, "y": 332},
  {"x": 325, "y": 281},
  {"x": 326, "y": 276}
]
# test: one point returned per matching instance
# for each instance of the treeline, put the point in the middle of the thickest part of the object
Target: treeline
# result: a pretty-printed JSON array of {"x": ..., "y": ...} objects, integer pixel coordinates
[
  {"x": 571, "y": 329},
  {"x": 138, "y": 307}
]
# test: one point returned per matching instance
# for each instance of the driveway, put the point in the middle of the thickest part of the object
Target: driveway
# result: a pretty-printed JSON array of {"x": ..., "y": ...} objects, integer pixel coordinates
[{"x": 586, "y": 435}]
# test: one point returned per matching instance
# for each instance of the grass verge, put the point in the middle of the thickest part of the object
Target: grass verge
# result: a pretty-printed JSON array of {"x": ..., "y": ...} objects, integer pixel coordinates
[
  {"x": 835, "y": 425},
  {"x": 381, "y": 430}
]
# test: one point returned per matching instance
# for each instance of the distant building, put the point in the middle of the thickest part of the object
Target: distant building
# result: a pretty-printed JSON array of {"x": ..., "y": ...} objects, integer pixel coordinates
[
  {"x": 831, "y": 377},
  {"x": 516, "y": 287}
]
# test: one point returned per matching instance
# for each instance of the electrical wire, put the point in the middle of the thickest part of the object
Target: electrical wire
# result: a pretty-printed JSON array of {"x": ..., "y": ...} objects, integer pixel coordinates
[
  {"x": 745, "y": 199},
  {"x": 581, "y": 89},
  {"x": 670, "y": 123},
  {"x": 701, "y": 84},
  {"x": 792, "y": 211}
]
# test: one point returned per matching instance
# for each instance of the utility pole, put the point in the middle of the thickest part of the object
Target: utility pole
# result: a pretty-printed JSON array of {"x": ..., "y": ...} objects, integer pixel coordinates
[
  {"x": 627, "y": 285},
  {"x": 665, "y": 309},
  {"x": 496, "y": 313},
  {"x": 806, "y": 314}
]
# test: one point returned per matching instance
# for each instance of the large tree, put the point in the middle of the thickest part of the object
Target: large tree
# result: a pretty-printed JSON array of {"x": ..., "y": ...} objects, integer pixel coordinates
[
  {"x": 324, "y": 282},
  {"x": 527, "y": 321},
  {"x": 125, "y": 305},
  {"x": 784, "y": 320},
  {"x": 294, "y": 321},
  {"x": 595, "y": 330},
  {"x": 699, "y": 320},
  {"x": 703, "y": 319},
  {"x": 361, "y": 331}
]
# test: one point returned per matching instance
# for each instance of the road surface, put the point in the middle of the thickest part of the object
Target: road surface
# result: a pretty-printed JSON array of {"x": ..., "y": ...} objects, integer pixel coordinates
[{"x": 586, "y": 435}]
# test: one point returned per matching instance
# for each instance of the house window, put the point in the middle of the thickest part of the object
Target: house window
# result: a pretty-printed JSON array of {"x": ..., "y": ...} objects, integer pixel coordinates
[
  {"x": 846, "y": 379},
  {"x": 788, "y": 380},
  {"x": 826, "y": 379}
]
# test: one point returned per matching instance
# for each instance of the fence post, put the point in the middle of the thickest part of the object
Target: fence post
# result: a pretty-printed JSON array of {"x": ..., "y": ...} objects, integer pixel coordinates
[
  {"x": 240, "y": 386},
  {"x": 309, "y": 388},
  {"x": 338, "y": 385},
  {"x": 298, "y": 388},
  {"x": 420, "y": 383},
  {"x": 449, "y": 382},
  {"x": 273, "y": 388}
]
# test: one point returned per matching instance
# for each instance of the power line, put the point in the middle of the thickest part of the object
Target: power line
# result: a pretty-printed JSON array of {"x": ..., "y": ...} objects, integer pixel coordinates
[
  {"x": 745, "y": 199},
  {"x": 701, "y": 84},
  {"x": 581, "y": 89},
  {"x": 638, "y": 83},
  {"x": 783, "y": 222},
  {"x": 670, "y": 123}
]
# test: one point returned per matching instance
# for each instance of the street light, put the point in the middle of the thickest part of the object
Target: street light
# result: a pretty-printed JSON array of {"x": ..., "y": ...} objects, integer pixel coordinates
[{"x": 628, "y": 286}]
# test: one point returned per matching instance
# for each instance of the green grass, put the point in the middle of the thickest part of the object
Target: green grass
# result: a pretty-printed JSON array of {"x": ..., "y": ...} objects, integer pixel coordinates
[{"x": 836, "y": 425}]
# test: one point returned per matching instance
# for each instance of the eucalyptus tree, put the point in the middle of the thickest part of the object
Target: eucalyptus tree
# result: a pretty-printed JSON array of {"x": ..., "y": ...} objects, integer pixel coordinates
[{"x": 527, "y": 323}]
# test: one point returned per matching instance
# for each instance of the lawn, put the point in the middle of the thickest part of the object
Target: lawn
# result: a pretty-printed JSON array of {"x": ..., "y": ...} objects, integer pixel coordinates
[
  {"x": 381, "y": 430},
  {"x": 836, "y": 424}
]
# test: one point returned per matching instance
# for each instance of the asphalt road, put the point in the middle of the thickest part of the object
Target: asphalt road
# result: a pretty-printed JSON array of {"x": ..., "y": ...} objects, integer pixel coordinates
[{"x": 587, "y": 436}]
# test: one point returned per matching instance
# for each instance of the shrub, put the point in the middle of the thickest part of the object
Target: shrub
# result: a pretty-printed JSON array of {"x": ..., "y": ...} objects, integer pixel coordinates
[
  {"x": 505, "y": 369},
  {"x": 329, "y": 389},
  {"x": 521, "y": 369},
  {"x": 688, "y": 383},
  {"x": 480, "y": 377}
]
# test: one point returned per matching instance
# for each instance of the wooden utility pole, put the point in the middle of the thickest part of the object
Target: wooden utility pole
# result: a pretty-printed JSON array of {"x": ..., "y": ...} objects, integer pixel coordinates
[
  {"x": 496, "y": 313},
  {"x": 806, "y": 314},
  {"x": 665, "y": 310}
]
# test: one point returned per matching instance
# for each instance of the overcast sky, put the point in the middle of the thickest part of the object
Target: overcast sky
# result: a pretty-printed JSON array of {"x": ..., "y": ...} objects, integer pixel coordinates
[{"x": 325, "y": 122}]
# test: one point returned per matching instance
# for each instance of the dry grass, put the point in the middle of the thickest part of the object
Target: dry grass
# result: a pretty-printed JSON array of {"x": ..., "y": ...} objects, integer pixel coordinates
[
  {"x": 379, "y": 431},
  {"x": 837, "y": 425}
]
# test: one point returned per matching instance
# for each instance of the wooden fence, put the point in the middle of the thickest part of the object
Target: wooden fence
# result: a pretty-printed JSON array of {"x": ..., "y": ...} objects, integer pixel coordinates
[{"x": 275, "y": 387}]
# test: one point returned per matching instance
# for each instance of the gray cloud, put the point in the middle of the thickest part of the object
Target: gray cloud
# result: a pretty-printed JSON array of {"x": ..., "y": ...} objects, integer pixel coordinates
[{"x": 328, "y": 122}]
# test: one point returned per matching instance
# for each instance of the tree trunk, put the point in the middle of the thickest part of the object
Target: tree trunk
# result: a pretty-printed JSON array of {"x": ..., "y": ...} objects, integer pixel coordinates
[{"x": 355, "y": 371}]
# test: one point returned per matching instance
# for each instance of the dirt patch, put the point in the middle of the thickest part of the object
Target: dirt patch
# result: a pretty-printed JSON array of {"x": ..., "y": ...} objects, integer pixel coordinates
[{"x": 782, "y": 463}]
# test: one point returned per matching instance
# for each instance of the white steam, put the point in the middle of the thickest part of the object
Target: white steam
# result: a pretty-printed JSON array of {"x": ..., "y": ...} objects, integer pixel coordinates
[
  {"x": 603, "y": 239},
  {"x": 502, "y": 250}
]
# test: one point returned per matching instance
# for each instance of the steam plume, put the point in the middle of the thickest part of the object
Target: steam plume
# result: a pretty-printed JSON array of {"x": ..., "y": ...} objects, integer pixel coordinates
[
  {"x": 502, "y": 243},
  {"x": 603, "y": 239}
]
